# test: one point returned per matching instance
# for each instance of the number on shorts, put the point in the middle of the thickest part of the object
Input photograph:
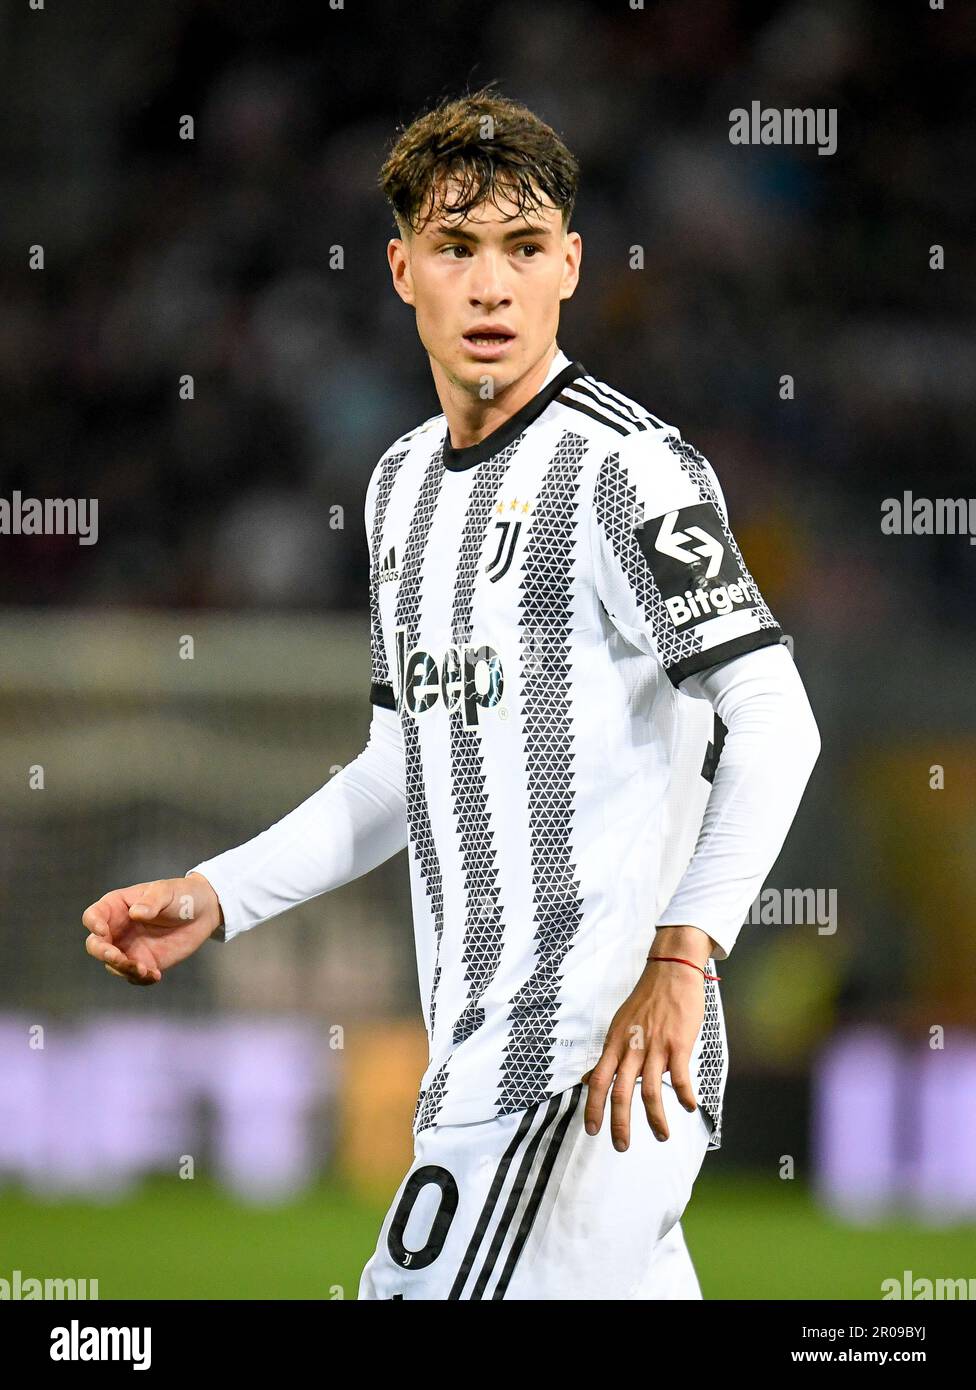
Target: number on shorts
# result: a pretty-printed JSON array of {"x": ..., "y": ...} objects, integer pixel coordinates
[{"x": 441, "y": 1224}]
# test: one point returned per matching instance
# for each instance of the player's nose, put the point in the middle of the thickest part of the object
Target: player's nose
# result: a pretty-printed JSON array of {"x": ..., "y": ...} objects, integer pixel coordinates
[{"x": 488, "y": 289}]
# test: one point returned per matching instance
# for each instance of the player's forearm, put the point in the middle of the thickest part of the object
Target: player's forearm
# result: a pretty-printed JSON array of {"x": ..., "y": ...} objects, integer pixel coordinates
[
  {"x": 345, "y": 829},
  {"x": 769, "y": 752}
]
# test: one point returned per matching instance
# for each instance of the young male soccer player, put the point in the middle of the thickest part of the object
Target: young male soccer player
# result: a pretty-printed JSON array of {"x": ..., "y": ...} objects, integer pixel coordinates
[{"x": 585, "y": 731}]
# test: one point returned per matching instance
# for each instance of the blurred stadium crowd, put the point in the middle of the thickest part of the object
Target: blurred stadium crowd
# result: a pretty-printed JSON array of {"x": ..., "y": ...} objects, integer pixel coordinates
[{"x": 211, "y": 257}]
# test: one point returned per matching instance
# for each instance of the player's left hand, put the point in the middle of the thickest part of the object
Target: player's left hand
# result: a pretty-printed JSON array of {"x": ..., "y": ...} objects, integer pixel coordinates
[{"x": 653, "y": 1032}]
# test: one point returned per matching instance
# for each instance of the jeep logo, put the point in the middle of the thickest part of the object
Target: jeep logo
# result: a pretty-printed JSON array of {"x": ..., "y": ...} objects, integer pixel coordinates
[{"x": 468, "y": 676}]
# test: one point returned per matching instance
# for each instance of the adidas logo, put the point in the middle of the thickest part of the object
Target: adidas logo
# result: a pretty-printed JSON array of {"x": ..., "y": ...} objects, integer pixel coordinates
[{"x": 388, "y": 569}]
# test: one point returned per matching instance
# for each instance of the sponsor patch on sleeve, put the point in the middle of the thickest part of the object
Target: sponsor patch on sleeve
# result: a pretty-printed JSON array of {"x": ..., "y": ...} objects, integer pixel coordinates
[{"x": 694, "y": 566}]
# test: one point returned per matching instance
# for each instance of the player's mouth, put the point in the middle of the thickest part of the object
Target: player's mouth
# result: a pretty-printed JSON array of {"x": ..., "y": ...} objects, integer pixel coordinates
[{"x": 487, "y": 343}]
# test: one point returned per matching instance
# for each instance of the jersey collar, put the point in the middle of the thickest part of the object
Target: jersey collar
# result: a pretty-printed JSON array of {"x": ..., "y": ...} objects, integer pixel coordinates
[{"x": 458, "y": 459}]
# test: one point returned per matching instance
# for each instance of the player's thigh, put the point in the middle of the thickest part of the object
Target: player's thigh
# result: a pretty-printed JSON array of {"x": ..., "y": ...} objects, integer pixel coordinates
[
  {"x": 458, "y": 1214},
  {"x": 604, "y": 1212},
  {"x": 670, "y": 1273}
]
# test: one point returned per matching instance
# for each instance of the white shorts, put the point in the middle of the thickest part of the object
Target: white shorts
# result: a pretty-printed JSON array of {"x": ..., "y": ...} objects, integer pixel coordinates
[{"x": 530, "y": 1206}]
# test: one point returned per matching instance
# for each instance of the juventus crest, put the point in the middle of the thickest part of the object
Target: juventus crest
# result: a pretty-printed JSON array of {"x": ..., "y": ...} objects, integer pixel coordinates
[{"x": 508, "y": 529}]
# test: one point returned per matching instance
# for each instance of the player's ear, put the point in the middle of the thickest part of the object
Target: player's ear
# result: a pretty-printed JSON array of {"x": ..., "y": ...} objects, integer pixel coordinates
[
  {"x": 573, "y": 248},
  {"x": 399, "y": 259}
]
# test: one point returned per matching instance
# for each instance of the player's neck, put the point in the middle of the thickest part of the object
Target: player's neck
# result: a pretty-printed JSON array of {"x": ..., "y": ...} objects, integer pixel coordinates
[{"x": 471, "y": 419}]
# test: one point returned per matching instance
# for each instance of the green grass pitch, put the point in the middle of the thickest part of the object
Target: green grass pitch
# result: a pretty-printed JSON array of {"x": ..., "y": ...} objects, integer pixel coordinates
[{"x": 750, "y": 1238}]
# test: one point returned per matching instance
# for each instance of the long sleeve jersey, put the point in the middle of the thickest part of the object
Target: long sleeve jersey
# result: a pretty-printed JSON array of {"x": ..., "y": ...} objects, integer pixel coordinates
[{"x": 584, "y": 726}]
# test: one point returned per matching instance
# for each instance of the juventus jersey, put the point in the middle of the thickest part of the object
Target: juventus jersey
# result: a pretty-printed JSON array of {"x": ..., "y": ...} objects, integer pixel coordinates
[{"x": 536, "y": 600}]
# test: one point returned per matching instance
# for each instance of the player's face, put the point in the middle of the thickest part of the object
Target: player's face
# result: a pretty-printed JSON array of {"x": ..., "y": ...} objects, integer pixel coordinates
[{"x": 493, "y": 267}]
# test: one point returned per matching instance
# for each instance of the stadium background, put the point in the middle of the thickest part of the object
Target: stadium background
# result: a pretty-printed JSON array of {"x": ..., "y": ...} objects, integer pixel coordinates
[{"x": 281, "y": 1070}]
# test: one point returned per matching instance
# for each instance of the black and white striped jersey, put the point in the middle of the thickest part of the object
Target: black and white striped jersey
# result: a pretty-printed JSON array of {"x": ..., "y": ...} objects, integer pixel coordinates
[{"x": 535, "y": 601}]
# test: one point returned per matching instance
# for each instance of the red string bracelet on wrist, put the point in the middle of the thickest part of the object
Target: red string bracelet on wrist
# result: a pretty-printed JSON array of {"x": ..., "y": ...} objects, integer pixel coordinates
[{"x": 681, "y": 961}]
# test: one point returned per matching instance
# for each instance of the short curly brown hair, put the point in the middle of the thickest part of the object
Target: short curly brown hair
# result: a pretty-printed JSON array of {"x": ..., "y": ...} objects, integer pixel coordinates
[{"x": 491, "y": 145}]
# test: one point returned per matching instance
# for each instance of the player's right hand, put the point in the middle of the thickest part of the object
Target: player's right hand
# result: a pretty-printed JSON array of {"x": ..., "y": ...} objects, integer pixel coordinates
[{"x": 139, "y": 932}]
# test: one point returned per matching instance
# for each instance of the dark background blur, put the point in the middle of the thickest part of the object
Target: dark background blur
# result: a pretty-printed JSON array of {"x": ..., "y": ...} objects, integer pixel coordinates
[{"x": 211, "y": 257}]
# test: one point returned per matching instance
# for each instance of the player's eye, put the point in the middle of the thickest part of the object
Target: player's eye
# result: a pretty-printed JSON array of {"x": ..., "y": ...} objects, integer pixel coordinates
[{"x": 457, "y": 246}]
